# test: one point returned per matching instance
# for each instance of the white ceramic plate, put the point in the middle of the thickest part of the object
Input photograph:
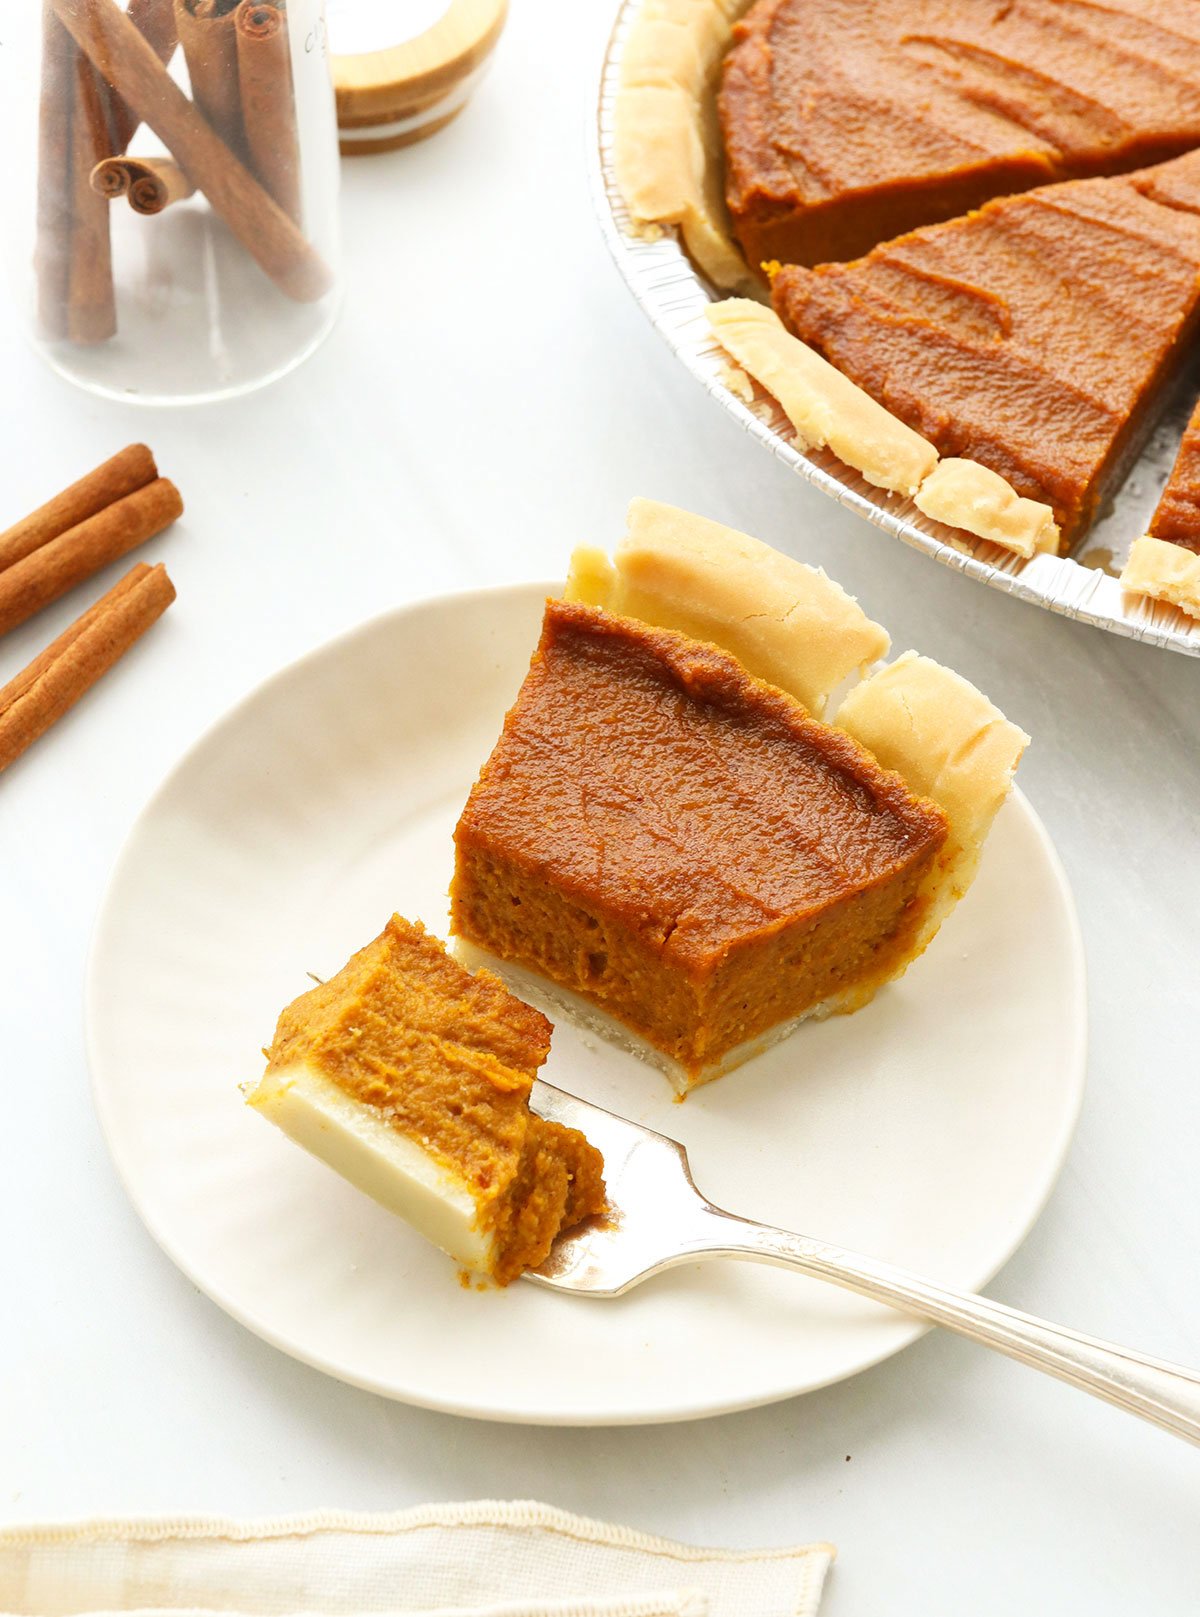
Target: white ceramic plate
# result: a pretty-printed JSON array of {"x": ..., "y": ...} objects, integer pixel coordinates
[
  {"x": 927, "y": 1129},
  {"x": 674, "y": 295}
]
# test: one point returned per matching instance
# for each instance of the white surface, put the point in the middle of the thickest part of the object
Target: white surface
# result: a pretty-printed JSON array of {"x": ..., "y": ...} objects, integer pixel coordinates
[
  {"x": 492, "y": 380},
  {"x": 281, "y": 844}
]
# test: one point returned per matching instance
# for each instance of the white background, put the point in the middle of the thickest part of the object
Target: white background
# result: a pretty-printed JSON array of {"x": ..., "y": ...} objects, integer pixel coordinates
[{"x": 491, "y": 396}]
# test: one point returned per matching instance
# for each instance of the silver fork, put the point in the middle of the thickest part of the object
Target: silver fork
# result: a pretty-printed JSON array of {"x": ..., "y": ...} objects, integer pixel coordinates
[{"x": 659, "y": 1219}]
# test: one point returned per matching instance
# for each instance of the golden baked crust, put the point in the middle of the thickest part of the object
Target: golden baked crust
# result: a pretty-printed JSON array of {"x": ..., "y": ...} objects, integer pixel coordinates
[
  {"x": 1164, "y": 571},
  {"x": 950, "y": 744},
  {"x": 963, "y": 494},
  {"x": 825, "y": 407},
  {"x": 667, "y": 143},
  {"x": 786, "y": 623}
]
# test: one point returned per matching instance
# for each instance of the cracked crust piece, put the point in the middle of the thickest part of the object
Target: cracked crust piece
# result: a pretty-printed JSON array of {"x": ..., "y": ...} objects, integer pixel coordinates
[
  {"x": 825, "y": 407},
  {"x": 1164, "y": 571},
  {"x": 950, "y": 744},
  {"x": 667, "y": 140},
  {"x": 786, "y": 623},
  {"x": 964, "y": 494}
]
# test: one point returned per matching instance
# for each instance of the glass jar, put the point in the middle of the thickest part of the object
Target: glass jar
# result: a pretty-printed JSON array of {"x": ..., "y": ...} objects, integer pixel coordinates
[{"x": 172, "y": 221}]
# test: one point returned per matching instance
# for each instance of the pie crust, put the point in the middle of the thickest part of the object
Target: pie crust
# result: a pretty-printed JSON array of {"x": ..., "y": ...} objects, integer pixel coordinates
[
  {"x": 787, "y": 623},
  {"x": 964, "y": 494},
  {"x": 826, "y": 408},
  {"x": 667, "y": 141},
  {"x": 949, "y": 743},
  {"x": 1164, "y": 571}
]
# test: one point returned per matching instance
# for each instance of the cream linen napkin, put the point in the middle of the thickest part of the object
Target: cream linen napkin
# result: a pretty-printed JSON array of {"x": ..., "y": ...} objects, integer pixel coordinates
[{"x": 476, "y": 1560}]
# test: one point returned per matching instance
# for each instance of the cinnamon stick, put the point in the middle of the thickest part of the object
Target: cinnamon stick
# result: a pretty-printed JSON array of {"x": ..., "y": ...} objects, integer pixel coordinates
[
  {"x": 268, "y": 99},
  {"x": 150, "y": 184},
  {"x": 155, "y": 21},
  {"x": 72, "y": 664},
  {"x": 131, "y": 468},
  {"x": 207, "y": 32},
  {"x": 29, "y": 676},
  {"x": 60, "y": 564},
  {"x": 103, "y": 31},
  {"x": 91, "y": 298},
  {"x": 53, "y": 256}
]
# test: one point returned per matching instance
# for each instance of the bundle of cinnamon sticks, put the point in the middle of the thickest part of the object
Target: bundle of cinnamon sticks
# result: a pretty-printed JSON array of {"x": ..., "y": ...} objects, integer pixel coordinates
[
  {"x": 105, "y": 71},
  {"x": 102, "y": 517}
]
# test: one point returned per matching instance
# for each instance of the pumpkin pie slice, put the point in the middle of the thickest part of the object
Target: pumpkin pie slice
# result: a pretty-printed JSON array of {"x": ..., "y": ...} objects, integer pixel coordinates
[
  {"x": 845, "y": 124},
  {"x": 1165, "y": 562},
  {"x": 674, "y": 847},
  {"x": 1037, "y": 337},
  {"x": 411, "y": 1077}
]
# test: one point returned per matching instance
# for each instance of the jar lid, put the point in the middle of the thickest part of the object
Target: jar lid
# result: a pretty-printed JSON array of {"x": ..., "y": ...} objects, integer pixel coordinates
[{"x": 389, "y": 98}]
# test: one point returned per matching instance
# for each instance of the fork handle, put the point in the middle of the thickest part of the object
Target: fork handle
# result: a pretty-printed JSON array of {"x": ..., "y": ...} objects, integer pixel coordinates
[{"x": 1164, "y": 1393}]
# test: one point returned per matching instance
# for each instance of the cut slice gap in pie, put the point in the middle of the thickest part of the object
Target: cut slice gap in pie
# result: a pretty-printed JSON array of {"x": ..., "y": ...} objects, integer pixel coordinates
[
  {"x": 674, "y": 846},
  {"x": 411, "y": 1077},
  {"x": 1165, "y": 562}
]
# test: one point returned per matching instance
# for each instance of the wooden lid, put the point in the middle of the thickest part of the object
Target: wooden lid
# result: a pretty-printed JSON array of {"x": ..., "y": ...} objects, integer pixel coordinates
[{"x": 389, "y": 98}]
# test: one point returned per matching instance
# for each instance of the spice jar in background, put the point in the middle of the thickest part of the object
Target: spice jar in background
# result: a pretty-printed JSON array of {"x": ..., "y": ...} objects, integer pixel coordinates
[{"x": 172, "y": 221}]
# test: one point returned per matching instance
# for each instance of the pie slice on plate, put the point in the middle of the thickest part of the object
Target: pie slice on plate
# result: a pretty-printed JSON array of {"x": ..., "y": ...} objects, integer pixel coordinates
[{"x": 674, "y": 847}]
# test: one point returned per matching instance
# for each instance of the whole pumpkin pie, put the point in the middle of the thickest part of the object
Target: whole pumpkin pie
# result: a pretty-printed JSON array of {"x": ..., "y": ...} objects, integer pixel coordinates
[
  {"x": 847, "y": 123},
  {"x": 412, "y": 1077},
  {"x": 1037, "y": 337},
  {"x": 677, "y": 844}
]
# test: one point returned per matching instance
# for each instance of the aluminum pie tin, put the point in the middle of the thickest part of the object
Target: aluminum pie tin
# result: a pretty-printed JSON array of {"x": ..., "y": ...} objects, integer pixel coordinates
[{"x": 673, "y": 295}]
